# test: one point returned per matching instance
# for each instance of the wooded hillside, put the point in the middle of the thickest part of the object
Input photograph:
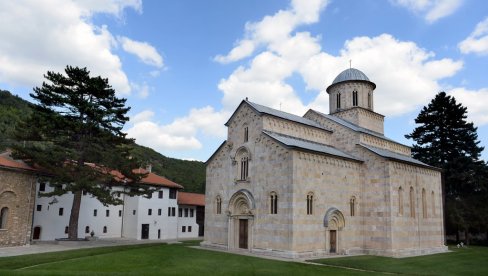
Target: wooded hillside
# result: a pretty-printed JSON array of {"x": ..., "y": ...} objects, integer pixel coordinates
[{"x": 190, "y": 174}]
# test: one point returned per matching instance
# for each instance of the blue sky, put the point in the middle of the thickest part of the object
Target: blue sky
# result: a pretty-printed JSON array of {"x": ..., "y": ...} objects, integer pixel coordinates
[{"x": 184, "y": 66}]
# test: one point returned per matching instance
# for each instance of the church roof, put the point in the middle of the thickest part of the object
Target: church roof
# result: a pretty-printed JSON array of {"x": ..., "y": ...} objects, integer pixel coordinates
[
  {"x": 294, "y": 142},
  {"x": 261, "y": 109},
  {"x": 355, "y": 127},
  {"x": 351, "y": 74},
  {"x": 395, "y": 156}
]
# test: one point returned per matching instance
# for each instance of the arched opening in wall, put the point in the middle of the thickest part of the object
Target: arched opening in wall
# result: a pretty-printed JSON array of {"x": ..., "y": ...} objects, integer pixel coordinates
[
  {"x": 334, "y": 223},
  {"x": 241, "y": 220},
  {"x": 412, "y": 203},
  {"x": 400, "y": 201},
  {"x": 273, "y": 203},
  {"x": 433, "y": 203},
  {"x": 242, "y": 159},
  {"x": 36, "y": 233},
  {"x": 218, "y": 205},
  {"x": 87, "y": 230},
  {"x": 424, "y": 204},
  {"x": 338, "y": 100},
  {"x": 352, "y": 206},
  {"x": 355, "y": 98},
  {"x": 369, "y": 101},
  {"x": 4, "y": 218},
  {"x": 310, "y": 200}
]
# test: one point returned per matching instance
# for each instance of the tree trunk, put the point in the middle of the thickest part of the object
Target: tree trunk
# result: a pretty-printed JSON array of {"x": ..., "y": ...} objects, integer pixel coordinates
[
  {"x": 73, "y": 218},
  {"x": 457, "y": 236},
  {"x": 466, "y": 236}
]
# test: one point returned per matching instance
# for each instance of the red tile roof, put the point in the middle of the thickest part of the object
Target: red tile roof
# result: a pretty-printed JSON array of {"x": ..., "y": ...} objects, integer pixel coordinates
[
  {"x": 7, "y": 162},
  {"x": 191, "y": 199},
  {"x": 154, "y": 179}
]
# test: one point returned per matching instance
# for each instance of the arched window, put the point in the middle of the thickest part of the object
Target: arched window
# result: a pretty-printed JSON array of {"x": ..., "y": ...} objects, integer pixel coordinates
[
  {"x": 338, "y": 100},
  {"x": 242, "y": 159},
  {"x": 400, "y": 201},
  {"x": 87, "y": 229},
  {"x": 246, "y": 134},
  {"x": 273, "y": 203},
  {"x": 433, "y": 203},
  {"x": 355, "y": 98},
  {"x": 352, "y": 206},
  {"x": 3, "y": 218},
  {"x": 412, "y": 203},
  {"x": 369, "y": 100},
  {"x": 218, "y": 207},
  {"x": 309, "y": 203},
  {"x": 105, "y": 229},
  {"x": 424, "y": 204}
]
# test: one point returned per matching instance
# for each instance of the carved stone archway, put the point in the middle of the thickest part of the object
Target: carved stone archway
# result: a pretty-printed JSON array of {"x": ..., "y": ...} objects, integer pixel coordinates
[
  {"x": 241, "y": 220},
  {"x": 334, "y": 223}
]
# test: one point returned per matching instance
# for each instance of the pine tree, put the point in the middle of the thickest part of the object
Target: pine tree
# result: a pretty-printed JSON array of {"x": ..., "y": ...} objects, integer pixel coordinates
[
  {"x": 446, "y": 140},
  {"x": 75, "y": 135}
]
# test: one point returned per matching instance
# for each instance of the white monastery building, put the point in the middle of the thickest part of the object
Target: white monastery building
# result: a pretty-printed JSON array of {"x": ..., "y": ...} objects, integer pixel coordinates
[
  {"x": 321, "y": 184},
  {"x": 139, "y": 217}
]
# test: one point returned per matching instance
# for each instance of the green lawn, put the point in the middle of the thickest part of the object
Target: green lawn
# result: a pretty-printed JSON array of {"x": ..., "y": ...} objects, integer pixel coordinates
[
  {"x": 179, "y": 259},
  {"x": 462, "y": 261},
  {"x": 151, "y": 259}
]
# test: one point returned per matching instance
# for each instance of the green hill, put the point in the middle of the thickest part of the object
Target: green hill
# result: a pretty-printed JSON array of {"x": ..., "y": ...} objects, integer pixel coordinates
[{"x": 190, "y": 174}]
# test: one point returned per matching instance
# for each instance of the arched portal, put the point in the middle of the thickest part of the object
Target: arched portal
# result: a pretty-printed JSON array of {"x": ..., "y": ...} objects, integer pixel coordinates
[
  {"x": 334, "y": 223},
  {"x": 241, "y": 220},
  {"x": 37, "y": 233}
]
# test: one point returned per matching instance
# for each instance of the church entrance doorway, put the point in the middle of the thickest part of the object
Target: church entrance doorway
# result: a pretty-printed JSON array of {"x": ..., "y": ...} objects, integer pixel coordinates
[
  {"x": 243, "y": 229},
  {"x": 241, "y": 220},
  {"x": 334, "y": 223},
  {"x": 333, "y": 241},
  {"x": 37, "y": 233}
]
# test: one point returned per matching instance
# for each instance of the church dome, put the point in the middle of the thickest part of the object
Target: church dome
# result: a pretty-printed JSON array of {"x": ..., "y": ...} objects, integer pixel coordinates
[{"x": 351, "y": 74}]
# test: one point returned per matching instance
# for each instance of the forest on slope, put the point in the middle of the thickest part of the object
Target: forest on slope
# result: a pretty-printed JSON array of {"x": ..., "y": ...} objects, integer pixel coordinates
[{"x": 190, "y": 174}]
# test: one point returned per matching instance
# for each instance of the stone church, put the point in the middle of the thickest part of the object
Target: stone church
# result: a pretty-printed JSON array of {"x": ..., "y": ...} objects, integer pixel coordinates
[{"x": 321, "y": 184}]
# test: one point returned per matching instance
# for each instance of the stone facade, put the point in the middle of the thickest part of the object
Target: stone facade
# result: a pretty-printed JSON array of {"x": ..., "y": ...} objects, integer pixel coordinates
[
  {"x": 320, "y": 184},
  {"x": 17, "y": 195}
]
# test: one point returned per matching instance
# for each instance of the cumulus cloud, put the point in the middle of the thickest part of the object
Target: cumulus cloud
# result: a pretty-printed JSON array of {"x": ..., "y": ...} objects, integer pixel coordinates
[
  {"x": 274, "y": 29},
  {"x": 48, "y": 38},
  {"x": 181, "y": 133},
  {"x": 142, "y": 90},
  {"x": 475, "y": 101},
  {"x": 477, "y": 41},
  {"x": 431, "y": 10},
  {"x": 143, "y": 50}
]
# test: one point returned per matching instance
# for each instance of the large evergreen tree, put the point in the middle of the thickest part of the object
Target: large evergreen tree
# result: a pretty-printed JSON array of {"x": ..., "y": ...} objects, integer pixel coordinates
[
  {"x": 446, "y": 140},
  {"x": 75, "y": 135}
]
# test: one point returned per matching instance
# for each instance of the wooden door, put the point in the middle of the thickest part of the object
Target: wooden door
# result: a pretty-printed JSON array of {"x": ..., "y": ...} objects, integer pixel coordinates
[
  {"x": 37, "y": 233},
  {"x": 333, "y": 241},
  {"x": 145, "y": 232},
  {"x": 243, "y": 233}
]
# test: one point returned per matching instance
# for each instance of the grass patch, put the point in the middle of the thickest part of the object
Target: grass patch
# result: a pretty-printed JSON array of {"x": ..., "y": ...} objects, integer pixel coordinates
[
  {"x": 179, "y": 259},
  {"x": 155, "y": 259},
  {"x": 462, "y": 261}
]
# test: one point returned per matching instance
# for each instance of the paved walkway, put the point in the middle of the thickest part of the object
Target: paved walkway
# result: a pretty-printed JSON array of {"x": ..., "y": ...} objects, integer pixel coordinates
[{"x": 42, "y": 247}]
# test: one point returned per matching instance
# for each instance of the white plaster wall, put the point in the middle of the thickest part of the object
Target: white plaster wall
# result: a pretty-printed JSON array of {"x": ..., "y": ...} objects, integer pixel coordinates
[{"x": 188, "y": 221}]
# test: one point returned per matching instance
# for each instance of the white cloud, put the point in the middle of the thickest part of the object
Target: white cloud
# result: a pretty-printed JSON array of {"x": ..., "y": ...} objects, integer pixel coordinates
[
  {"x": 475, "y": 101},
  {"x": 274, "y": 29},
  {"x": 181, "y": 133},
  {"x": 142, "y": 90},
  {"x": 477, "y": 41},
  {"x": 432, "y": 10},
  {"x": 48, "y": 38},
  {"x": 143, "y": 50},
  {"x": 115, "y": 7}
]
